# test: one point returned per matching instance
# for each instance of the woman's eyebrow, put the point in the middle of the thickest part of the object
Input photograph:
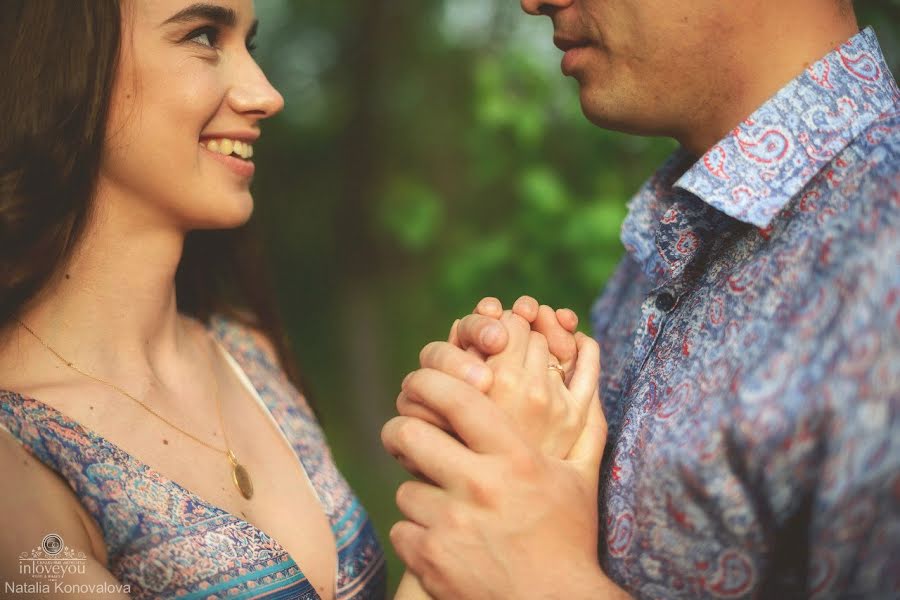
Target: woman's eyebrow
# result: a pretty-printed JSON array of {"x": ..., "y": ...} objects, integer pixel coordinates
[{"x": 220, "y": 15}]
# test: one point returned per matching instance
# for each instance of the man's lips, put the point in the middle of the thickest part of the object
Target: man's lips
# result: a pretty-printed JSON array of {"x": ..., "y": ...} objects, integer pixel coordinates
[
  {"x": 566, "y": 43},
  {"x": 573, "y": 48}
]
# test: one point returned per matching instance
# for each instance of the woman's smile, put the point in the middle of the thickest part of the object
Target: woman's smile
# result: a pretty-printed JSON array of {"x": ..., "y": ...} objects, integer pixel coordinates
[{"x": 234, "y": 154}]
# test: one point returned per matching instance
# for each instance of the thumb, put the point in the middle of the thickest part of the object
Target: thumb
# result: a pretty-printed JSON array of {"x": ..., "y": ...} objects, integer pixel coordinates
[{"x": 587, "y": 452}]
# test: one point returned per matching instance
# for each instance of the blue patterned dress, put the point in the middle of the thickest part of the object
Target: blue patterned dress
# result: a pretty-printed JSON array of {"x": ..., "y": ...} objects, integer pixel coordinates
[{"x": 165, "y": 542}]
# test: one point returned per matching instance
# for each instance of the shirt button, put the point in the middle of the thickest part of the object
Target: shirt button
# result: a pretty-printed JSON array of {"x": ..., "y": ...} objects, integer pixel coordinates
[{"x": 665, "y": 301}]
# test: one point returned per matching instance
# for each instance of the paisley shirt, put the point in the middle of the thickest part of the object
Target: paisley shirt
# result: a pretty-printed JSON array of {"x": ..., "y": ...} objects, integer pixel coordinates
[
  {"x": 751, "y": 354},
  {"x": 165, "y": 542}
]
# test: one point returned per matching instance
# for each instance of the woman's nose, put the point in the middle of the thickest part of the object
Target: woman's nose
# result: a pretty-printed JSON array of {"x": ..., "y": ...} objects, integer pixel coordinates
[{"x": 254, "y": 94}]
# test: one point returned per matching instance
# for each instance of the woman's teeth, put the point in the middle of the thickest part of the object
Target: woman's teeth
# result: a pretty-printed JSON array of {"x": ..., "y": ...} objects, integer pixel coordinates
[{"x": 228, "y": 147}]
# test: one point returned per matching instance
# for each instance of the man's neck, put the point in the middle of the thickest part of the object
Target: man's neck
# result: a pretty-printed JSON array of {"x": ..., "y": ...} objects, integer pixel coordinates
[{"x": 764, "y": 60}]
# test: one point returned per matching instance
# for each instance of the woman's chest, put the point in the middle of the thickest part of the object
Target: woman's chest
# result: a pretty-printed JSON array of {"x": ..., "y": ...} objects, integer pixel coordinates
[{"x": 152, "y": 490}]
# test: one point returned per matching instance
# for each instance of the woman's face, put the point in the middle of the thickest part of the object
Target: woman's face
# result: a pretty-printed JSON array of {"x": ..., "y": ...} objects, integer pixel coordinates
[{"x": 187, "y": 93}]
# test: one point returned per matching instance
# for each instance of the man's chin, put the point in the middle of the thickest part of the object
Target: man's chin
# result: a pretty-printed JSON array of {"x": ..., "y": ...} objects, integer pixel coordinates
[{"x": 619, "y": 116}]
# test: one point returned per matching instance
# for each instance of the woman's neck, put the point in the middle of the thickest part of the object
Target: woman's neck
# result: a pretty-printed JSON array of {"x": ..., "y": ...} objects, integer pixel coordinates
[{"x": 112, "y": 306}]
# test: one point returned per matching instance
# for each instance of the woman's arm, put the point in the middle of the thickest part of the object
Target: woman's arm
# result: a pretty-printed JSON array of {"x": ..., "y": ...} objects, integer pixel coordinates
[{"x": 38, "y": 504}]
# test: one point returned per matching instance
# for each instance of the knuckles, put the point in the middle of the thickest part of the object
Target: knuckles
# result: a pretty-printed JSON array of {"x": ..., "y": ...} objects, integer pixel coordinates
[
  {"x": 507, "y": 378},
  {"x": 538, "y": 394},
  {"x": 524, "y": 465},
  {"x": 539, "y": 340},
  {"x": 457, "y": 518},
  {"x": 481, "y": 491}
]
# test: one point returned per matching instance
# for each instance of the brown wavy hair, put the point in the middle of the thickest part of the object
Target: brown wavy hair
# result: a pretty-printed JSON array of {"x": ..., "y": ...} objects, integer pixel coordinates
[{"x": 59, "y": 62}]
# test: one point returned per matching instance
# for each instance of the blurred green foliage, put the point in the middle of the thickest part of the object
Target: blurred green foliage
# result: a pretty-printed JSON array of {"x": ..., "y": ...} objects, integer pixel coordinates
[{"x": 430, "y": 154}]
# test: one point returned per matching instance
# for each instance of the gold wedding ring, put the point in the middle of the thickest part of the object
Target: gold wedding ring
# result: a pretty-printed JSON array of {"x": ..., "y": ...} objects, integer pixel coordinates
[{"x": 558, "y": 369}]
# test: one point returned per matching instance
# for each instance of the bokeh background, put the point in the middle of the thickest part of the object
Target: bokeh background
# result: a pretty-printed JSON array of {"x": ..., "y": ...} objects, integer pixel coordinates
[{"x": 430, "y": 153}]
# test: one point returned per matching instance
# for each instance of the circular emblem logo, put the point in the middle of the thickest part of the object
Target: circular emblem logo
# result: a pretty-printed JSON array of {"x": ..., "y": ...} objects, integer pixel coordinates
[{"x": 52, "y": 544}]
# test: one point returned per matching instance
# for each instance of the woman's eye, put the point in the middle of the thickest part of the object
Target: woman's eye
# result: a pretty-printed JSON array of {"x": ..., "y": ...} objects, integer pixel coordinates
[{"x": 206, "y": 36}]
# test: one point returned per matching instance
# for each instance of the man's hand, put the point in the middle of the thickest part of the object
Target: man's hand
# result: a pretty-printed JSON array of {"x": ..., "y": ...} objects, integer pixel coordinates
[
  {"x": 495, "y": 500},
  {"x": 502, "y": 519}
]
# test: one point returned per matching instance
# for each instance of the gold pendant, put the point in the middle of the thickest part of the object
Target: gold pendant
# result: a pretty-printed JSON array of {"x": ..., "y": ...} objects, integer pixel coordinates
[{"x": 240, "y": 476}]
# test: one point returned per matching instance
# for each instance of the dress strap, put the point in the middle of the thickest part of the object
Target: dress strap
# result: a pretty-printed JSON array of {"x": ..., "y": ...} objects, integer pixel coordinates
[
  {"x": 41, "y": 431},
  {"x": 98, "y": 473}
]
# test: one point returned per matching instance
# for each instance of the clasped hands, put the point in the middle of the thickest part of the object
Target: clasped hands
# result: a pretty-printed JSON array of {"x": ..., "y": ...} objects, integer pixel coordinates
[{"x": 506, "y": 454}]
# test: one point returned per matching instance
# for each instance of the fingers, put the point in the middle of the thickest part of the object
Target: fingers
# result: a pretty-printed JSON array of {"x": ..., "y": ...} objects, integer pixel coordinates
[
  {"x": 489, "y": 307},
  {"x": 518, "y": 331},
  {"x": 587, "y": 368},
  {"x": 567, "y": 318},
  {"x": 410, "y": 408},
  {"x": 477, "y": 330},
  {"x": 485, "y": 334},
  {"x": 407, "y": 538},
  {"x": 560, "y": 340},
  {"x": 587, "y": 452},
  {"x": 526, "y": 307},
  {"x": 456, "y": 362},
  {"x": 421, "y": 503},
  {"x": 538, "y": 355},
  {"x": 548, "y": 400},
  {"x": 424, "y": 449},
  {"x": 478, "y": 333},
  {"x": 474, "y": 417}
]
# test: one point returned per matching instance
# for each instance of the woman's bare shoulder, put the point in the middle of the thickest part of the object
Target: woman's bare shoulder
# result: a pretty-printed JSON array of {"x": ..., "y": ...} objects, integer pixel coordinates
[{"x": 38, "y": 504}]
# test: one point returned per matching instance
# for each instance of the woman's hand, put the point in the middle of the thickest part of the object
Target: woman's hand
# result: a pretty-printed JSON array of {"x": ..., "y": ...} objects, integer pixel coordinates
[
  {"x": 548, "y": 414},
  {"x": 558, "y": 326},
  {"x": 516, "y": 375},
  {"x": 519, "y": 398}
]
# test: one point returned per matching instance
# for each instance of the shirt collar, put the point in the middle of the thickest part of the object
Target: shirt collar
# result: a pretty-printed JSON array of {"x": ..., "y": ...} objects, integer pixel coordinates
[{"x": 757, "y": 168}]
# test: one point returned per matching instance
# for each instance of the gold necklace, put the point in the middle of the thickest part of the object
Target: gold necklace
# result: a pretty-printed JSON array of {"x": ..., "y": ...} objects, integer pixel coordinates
[{"x": 239, "y": 474}]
